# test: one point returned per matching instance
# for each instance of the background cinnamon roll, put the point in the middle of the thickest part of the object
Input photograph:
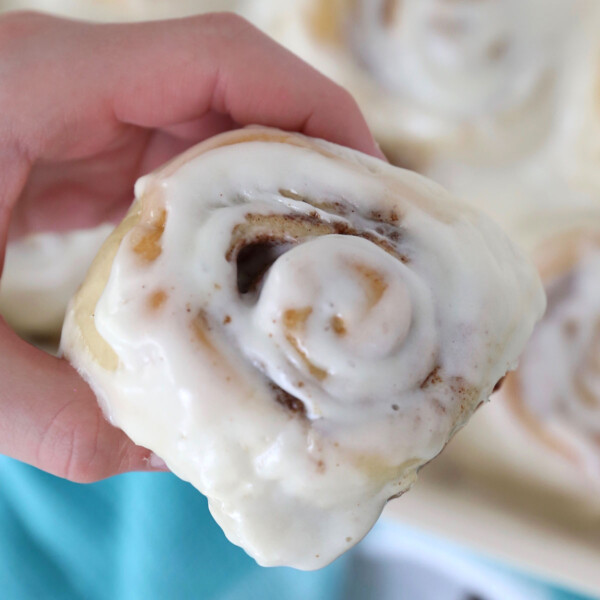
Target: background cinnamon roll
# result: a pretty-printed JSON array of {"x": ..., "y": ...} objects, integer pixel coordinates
[
  {"x": 555, "y": 393},
  {"x": 296, "y": 328},
  {"x": 41, "y": 273},
  {"x": 532, "y": 454},
  {"x": 475, "y": 79}
]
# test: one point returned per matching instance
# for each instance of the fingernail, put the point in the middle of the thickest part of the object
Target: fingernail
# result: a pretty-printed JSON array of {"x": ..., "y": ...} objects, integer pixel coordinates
[
  {"x": 380, "y": 153},
  {"x": 156, "y": 463}
]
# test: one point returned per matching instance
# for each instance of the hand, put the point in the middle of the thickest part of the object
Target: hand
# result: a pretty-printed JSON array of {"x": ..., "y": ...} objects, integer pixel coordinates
[{"x": 85, "y": 109}]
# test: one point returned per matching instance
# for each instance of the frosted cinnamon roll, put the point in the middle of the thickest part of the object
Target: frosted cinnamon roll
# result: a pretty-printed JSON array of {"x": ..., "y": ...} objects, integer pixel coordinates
[
  {"x": 296, "y": 328},
  {"x": 555, "y": 393},
  {"x": 476, "y": 78},
  {"x": 41, "y": 273}
]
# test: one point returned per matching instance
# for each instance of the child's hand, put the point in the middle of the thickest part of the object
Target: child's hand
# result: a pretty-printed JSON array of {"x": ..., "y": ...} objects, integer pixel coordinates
[{"x": 85, "y": 110}]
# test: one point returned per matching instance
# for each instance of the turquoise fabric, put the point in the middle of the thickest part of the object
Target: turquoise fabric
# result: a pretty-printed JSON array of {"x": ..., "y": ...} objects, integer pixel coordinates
[
  {"x": 149, "y": 536},
  {"x": 140, "y": 536}
]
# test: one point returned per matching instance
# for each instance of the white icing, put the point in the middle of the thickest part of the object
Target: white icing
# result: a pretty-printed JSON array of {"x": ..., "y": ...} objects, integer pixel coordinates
[
  {"x": 566, "y": 397},
  {"x": 41, "y": 273},
  {"x": 291, "y": 490},
  {"x": 458, "y": 58},
  {"x": 373, "y": 355},
  {"x": 530, "y": 197}
]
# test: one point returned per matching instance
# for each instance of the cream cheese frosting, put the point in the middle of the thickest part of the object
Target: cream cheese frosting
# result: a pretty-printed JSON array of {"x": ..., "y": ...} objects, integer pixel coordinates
[
  {"x": 41, "y": 273},
  {"x": 296, "y": 328}
]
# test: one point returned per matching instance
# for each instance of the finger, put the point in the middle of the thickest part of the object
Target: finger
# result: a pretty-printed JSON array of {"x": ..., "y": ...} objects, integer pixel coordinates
[
  {"x": 78, "y": 194},
  {"x": 94, "y": 79},
  {"x": 80, "y": 89},
  {"x": 167, "y": 142},
  {"x": 50, "y": 418},
  {"x": 236, "y": 70}
]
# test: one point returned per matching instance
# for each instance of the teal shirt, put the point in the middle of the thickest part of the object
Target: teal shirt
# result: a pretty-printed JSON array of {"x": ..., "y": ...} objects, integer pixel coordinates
[
  {"x": 139, "y": 536},
  {"x": 149, "y": 536}
]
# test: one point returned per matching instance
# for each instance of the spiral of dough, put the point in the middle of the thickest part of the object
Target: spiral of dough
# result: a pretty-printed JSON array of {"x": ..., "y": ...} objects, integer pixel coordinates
[{"x": 296, "y": 328}]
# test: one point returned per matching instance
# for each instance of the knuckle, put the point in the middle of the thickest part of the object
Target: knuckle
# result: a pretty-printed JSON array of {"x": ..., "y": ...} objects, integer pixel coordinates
[
  {"x": 70, "y": 446},
  {"x": 17, "y": 27},
  {"x": 344, "y": 98},
  {"x": 227, "y": 24}
]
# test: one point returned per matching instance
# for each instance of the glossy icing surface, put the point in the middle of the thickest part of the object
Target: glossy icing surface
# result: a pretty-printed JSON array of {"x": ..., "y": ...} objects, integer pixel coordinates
[{"x": 295, "y": 328}]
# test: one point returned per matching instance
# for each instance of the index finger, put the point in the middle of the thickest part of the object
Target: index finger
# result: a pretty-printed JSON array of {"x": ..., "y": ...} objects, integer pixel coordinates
[{"x": 157, "y": 74}]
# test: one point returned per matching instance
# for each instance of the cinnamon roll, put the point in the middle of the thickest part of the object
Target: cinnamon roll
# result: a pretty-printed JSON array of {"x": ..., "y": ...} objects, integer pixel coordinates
[
  {"x": 476, "y": 79},
  {"x": 296, "y": 328},
  {"x": 41, "y": 273},
  {"x": 555, "y": 392}
]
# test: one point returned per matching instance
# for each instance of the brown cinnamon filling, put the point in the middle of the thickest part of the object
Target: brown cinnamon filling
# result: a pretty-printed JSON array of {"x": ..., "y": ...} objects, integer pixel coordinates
[
  {"x": 498, "y": 384},
  {"x": 286, "y": 399},
  {"x": 338, "y": 325},
  {"x": 375, "y": 284},
  {"x": 200, "y": 327},
  {"x": 262, "y": 238},
  {"x": 268, "y": 236},
  {"x": 432, "y": 379},
  {"x": 389, "y": 12},
  {"x": 255, "y": 259},
  {"x": 157, "y": 299},
  {"x": 389, "y": 217},
  {"x": 148, "y": 245},
  {"x": 294, "y": 321}
]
